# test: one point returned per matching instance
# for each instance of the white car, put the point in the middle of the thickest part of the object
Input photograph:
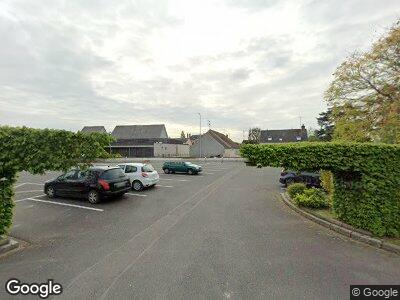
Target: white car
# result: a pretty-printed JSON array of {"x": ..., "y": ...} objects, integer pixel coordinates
[{"x": 140, "y": 175}]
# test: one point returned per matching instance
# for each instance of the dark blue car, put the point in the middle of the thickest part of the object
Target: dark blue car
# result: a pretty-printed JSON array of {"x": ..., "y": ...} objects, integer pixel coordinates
[{"x": 308, "y": 178}]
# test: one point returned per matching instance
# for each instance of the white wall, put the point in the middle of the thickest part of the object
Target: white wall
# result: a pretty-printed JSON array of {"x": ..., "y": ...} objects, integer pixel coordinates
[
  {"x": 171, "y": 150},
  {"x": 209, "y": 147},
  {"x": 231, "y": 153}
]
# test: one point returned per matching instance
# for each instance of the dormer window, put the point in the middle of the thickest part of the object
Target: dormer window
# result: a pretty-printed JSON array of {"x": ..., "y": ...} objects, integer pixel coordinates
[
  {"x": 298, "y": 138},
  {"x": 280, "y": 139},
  {"x": 270, "y": 139}
]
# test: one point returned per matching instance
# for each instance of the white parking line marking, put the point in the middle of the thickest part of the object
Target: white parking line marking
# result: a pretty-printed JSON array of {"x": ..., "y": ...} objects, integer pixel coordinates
[
  {"x": 215, "y": 170},
  {"x": 139, "y": 195},
  {"x": 65, "y": 204},
  {"x": 167, "y": 186},
  {"x": 28, "y": 198},
  {"x": 208, "y": 173},
  {"x": 17, "y": 186},
  {"x": 33, "y": 183},
  {"x": 19, "y": 192}
]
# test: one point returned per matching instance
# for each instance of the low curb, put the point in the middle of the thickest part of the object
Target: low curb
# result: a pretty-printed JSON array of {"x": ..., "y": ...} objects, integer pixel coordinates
[
  {"x": 342, "y": 228},
  {"x": 7, "y": 244}
]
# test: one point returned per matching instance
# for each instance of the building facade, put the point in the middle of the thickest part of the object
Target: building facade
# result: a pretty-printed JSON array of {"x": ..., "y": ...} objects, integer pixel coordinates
[
  {"x": 214, "y": 144},
  {"x": 171, "y": 150}
]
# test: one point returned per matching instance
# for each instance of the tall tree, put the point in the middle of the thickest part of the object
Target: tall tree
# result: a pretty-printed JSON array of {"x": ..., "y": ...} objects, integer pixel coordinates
[
  {"x": 365, "y": 93},
  {"x": 254, "y": 135},
  {"x": 183, "y": 135},
  {"x": 326, "y": 127}
]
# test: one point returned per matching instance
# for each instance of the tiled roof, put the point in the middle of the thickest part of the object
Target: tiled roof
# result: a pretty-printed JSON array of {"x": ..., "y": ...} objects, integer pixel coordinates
[
  {"x": 223, "y": 139},
  {"x": 88, "y": 129},
  {"x": 139, "y": 131},
  {"x": 283, "y": 135}
]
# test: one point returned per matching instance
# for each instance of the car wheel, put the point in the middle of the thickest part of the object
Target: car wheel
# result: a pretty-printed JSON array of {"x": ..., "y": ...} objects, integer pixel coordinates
[
  {"x": 94, "y": 197},
  {"x": 166, "y": 171},
  {"x": 289, "y": 181},
  {"x": 137, "y": 185},
  {"x": 190, "y": 172},
  {"x": 50, "y": 192}
]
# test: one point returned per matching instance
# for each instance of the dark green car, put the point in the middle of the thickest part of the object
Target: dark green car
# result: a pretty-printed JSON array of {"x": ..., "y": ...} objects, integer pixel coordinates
[{"x": 181, "y": 167}]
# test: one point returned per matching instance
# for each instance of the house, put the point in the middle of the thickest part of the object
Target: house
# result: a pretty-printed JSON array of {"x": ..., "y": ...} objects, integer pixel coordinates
[
  {"x": 144, "y": 141},
  {"x": 214, "y": 143},
  {"x": 90, "y": 129},
  {"x": 284, "y": 135}
]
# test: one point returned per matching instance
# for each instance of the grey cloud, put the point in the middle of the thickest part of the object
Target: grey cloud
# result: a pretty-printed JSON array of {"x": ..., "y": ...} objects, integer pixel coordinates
[
  {"x": 240, "y": 74},
  {"x": 253, "y": 5},
  {"x": 333, "y": 12}
]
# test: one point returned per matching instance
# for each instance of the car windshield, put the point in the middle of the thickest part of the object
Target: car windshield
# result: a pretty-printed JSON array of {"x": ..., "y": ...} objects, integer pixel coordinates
[
  {"x": 112, "y": 174},
  {"x": 147, "y": 168},
  {"x": 189, "y": 163}
]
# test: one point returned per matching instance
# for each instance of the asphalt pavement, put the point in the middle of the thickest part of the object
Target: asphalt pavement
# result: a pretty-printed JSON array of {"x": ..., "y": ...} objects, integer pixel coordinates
[{"x": 224, "y": 234}]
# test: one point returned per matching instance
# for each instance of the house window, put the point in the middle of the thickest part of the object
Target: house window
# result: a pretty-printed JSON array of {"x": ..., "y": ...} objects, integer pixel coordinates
[
  {"x": 270, "y": 139},
  {"x": 298, "y": 138},
  {"x": 280, "y": 139}
]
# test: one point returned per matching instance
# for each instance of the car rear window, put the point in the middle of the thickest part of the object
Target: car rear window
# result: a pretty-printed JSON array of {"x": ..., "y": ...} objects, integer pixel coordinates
[
  {"x": 147, "y": 168},
  {"x": 112, "y": 174}
]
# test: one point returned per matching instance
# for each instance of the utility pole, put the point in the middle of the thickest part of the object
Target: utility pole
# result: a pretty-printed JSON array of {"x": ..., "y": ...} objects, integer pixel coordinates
[{"x": 200, "y": 136}]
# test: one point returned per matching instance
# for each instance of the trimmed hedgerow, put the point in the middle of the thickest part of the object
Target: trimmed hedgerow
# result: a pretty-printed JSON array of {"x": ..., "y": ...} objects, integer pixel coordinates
[
  {"x": 296, "y": 189},
  {"x": 39, "y": 150},
  {"x": 366, "y": 184}
]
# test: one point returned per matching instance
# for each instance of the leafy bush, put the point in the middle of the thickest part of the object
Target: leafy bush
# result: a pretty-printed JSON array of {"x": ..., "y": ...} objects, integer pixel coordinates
[
  {"x": 312, "y": 198},
  {"x": 327, "y": 184},
  {"x": 296, "y": 189},
  {"x": 365, "y": 177},
  {"x": 39, "y": 150},
  {"x": 327, "y": 181}
]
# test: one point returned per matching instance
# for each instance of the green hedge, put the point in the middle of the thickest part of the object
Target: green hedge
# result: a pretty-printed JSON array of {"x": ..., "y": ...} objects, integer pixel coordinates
[
  {"x": 39, "y": 150},
  {"x": 366, "y": 179},
  {"x": 296, "y": 189}
]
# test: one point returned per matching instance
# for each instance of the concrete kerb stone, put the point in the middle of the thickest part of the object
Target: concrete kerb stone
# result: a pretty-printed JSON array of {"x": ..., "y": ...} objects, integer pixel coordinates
[
  {"x": 342, "y": 228},
  {"x": 7, "y": 244}
]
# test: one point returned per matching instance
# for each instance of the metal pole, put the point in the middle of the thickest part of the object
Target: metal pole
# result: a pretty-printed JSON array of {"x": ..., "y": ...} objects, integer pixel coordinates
[{"x": 200, "y": 135}]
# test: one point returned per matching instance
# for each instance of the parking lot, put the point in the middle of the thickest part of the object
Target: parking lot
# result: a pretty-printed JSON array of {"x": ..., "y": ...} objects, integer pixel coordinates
[
  {"x": 34, "y": 210},
  {"x": 221, "y": 234}
]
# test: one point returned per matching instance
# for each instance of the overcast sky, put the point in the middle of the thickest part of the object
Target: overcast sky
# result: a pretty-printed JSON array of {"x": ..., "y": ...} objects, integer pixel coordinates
[{"x": 66, "y": 64}]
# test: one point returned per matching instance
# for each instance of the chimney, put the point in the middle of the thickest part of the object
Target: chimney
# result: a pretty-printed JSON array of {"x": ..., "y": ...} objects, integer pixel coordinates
[{"x": 303, "y": 128}]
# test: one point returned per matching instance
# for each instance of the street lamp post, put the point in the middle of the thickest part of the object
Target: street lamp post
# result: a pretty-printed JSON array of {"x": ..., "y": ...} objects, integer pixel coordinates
[{"x": 200, "y": 135}]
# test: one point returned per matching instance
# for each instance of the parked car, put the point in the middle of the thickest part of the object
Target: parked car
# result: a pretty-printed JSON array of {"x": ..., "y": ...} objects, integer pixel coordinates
[
  {"x": 181, "y": 167},
  {"x": 94, "y": 184},
  {"x": 308, "y": 178},
  {"x": 140, "y": 175}
]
